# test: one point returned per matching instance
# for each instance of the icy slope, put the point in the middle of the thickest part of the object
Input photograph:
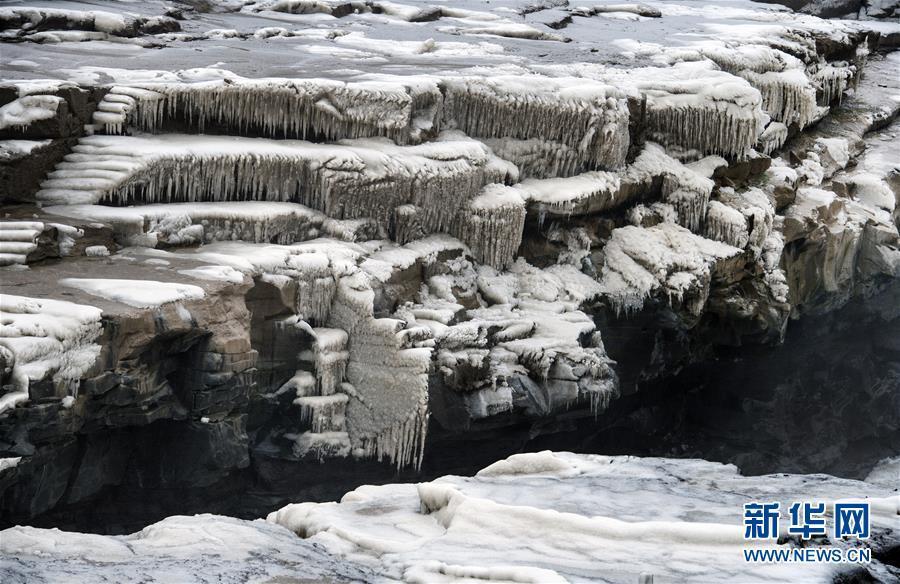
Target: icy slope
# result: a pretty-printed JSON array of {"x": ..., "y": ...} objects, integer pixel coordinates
[
  {"x": 202, "y": 548},
  {"x": 541, "y": 517},
  {"x": 563, "y": 517}
]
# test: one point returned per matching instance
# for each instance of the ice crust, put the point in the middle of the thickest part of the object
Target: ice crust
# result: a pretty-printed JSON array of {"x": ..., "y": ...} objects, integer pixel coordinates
[
  {"x": 556, "y": 516},
  {"x": 44, "y": 338}
]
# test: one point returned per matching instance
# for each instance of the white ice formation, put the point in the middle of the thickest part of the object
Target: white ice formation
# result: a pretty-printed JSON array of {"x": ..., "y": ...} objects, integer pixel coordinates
[
  {"x": 575, "y": 517},
  {"x": 310, "y": 108},
  {"x": 669, "y": 258},
  {"x": 46, "y": 339},
  {"x": 562, "y": 517}
]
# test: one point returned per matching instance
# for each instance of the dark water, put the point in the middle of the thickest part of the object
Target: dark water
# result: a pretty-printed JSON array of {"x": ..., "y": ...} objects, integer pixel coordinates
[{"x": 826, "y": 400}]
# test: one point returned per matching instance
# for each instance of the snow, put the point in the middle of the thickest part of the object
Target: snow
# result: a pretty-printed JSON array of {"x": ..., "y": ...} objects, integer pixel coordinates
[
  {"x": 556, "y": 516},
  {"x": 15, "y": 149},
  {"x": 217, "y": 273},
  {"x": 24, "y": 111},
  {"x": 640, "y": 261},
  {"x": 17, "y": 240},
  {"x": 137, "y": 293},
  {"x": 96, "y": 251},
  {"x": 100, "y": 20},
  {"x": 885, "y": 473},
  {"x": 12, "y": 399},
  {"x": 527, "y": 463},
  {"x": 492, "y": 225},
  {"x": 6, "y": 463},
  {"x": 206, "y": 549},
  {"x": 46, "y": 338},
  {"x": 582, "y": 194}
]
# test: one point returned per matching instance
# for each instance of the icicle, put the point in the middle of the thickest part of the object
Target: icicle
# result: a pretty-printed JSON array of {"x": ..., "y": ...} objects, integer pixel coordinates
[
  {"x": 592, "y": 121},
  {"x": 316, "y": 285},
  {"x": 772, "y": 138},
  {"x": 330, "y": 358},
  {"x": 688, "y": 193},
  {"x": 388, "y": 412},
  {"x": 834, "y": 79},
  {"x": 367, "y": 179},
  {"x": 787, "y": 94},
  {"x": 321, "y": 445},
  {"x": 323, "y": 413},
  {"x": 788, "y": 98},
  {"x": 708, "y": 127},
  {"x": 492, "y": 225},
  {"x": 286, "y": 108},
  {"x": 407, "y": 225},
  {"x": 537, "y": 158},
  {"x": 724, "y": 223}
]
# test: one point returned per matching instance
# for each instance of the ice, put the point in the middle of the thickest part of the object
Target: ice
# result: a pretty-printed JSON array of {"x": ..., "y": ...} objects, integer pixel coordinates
[
  {"x": 527, "y": 331},
  {"x": 251, "y": 221},
  {"x": 96, "y": 251},
  {"x": 492, "y": 224},
  {"x": 100, "y": 20},
  {"x": 742, "y": 219},
  {"x": 17, "y": 240},
  {"x": 350, "y": 180},
  {"x": 11, "y": 400},
  {"x": 12, "y": 462},
  {"x": 556, "y": 516},
  {"x": 387, "y": 416},
  {"x": 24, "y": 111},
  {"x": 504, "y": 29},
  {"x": 885, "y": 472},
  {"x": 589, "y": 117},
  {"x": 204, "y": 548},
  {"x": 322, "y": 445},
  {"x": 16, "y": 149},
  {"x": 583, "y": 194},
  {"x": 527, "y": 463},
  {"x": 323, "y": 413},
  {"x": 637, "y": 262},
  {"x": 402, "y": 109},
  {"x": 137, "y": 293},
  {"x": 358, "y": 44},
  {"x": 330, "y": 358},
  {"x": 47, "y": 338},
  {"x": 216, "y": 273},
  {"x": 773, "y": 138},
  {"x": 834, "y": 79},
  {"x": 788, "y": 94}
]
